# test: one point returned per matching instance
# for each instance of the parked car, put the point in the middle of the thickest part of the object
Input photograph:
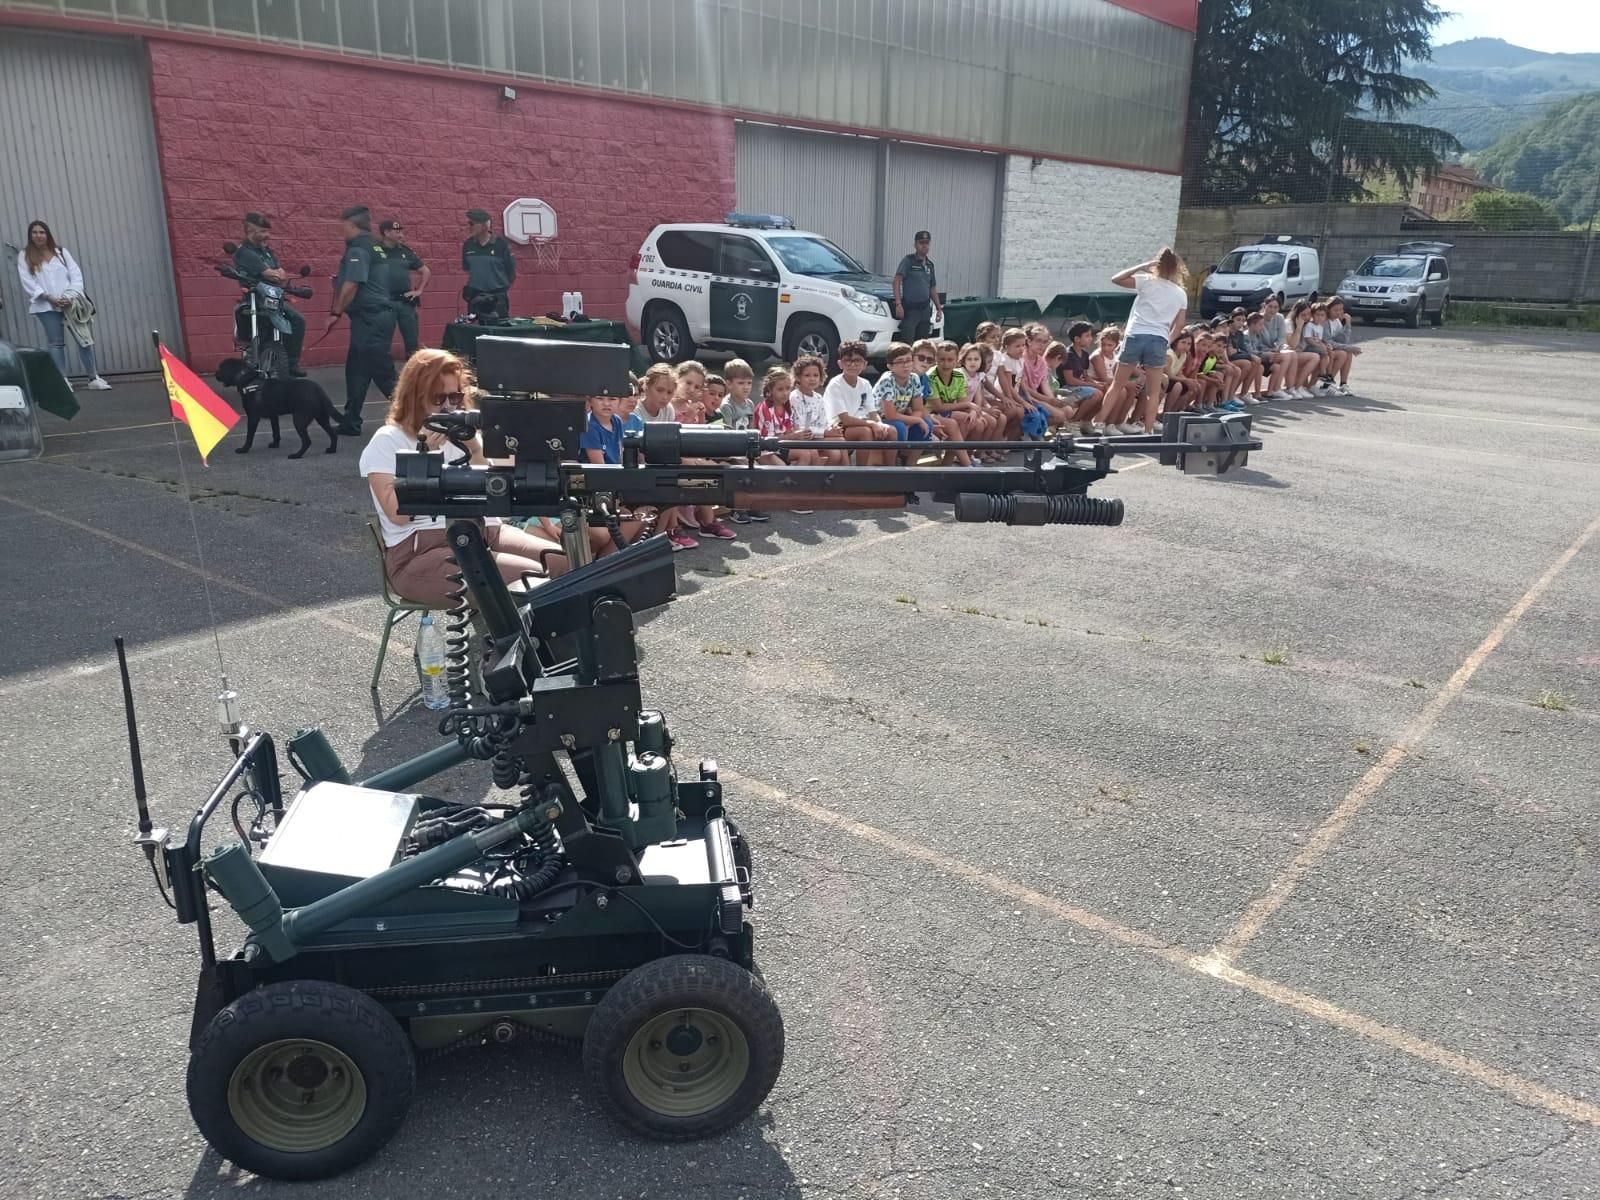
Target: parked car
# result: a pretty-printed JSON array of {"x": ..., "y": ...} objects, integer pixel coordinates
[
  {"x": 1411, "y": 284},
  {"x": 753, "y": 284},
  {"x": 1281, "y": 265}
]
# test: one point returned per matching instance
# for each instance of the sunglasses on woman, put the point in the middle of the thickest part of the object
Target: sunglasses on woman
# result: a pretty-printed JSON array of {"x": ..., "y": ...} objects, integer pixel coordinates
[{"x": 448, "y": 399}]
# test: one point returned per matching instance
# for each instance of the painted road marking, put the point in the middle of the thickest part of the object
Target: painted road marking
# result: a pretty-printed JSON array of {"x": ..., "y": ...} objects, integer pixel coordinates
[
  {"x": 1261, "y": 910},
  {"x": 1522, "y": 1090}
]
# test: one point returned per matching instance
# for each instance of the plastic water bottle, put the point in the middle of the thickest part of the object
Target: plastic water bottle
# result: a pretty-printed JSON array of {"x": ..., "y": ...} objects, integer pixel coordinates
[{"x": 430, "y": 665}]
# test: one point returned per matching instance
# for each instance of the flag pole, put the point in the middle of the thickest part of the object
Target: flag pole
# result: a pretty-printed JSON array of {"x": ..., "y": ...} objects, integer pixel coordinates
[{"x": 227, "y": 698}]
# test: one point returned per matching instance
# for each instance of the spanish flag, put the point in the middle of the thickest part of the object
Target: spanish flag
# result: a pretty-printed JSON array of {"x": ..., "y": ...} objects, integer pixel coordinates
[{"x": 196, "y": 405}]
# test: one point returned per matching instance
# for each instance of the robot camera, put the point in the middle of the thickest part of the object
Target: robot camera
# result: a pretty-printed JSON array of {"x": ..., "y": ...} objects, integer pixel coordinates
[
  {"x": 534, "y": 392},
  {"x": 1206, "y": 444}
]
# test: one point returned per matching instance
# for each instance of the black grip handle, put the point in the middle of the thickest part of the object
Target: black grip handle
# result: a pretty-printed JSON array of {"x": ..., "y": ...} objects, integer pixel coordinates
[
  {"x": 304, "y": 293},
  {"x": 1025, "y": 509}
]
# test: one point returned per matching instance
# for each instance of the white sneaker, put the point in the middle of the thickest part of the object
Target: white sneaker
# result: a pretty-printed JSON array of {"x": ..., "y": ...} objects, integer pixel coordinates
[
  {"x": 1303, "y": 394},
  {"x": 98, "y": 385},
  {"x": 1130, "y": 427},
  {"x": 1343, "y": 389},
  {"x": 1090, "y": 429}
]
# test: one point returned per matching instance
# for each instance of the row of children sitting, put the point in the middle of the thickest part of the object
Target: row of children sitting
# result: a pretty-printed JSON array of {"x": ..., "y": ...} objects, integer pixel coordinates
[{"x": 1006, "y": 385}]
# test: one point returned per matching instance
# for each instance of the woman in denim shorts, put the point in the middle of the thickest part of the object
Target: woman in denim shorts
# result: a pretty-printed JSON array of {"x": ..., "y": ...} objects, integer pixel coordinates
[{"x": 1158, "y": 313}]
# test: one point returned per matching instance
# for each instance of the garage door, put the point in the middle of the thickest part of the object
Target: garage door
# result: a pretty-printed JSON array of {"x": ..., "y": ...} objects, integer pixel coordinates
[
  {"x": 827, "y": 183},
  {"x": 836, "y": 185},
  {"x": 78, "y": 145},
  {"x": 951, "y": 194}
]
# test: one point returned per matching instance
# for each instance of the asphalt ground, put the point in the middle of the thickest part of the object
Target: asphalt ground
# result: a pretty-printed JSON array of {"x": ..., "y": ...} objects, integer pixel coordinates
[{"x": 1223, "y": 854}]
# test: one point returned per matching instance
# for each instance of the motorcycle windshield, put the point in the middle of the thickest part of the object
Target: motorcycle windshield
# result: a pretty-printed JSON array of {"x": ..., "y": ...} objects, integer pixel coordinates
[{"x": 270, "y": 292}]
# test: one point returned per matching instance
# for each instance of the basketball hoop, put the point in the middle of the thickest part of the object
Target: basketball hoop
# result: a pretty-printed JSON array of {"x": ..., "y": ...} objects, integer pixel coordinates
[{"x": 532, "y": 222}]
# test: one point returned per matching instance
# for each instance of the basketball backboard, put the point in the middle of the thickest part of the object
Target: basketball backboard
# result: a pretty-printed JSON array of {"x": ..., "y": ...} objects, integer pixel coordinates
[{"x": 529, "y": 220}]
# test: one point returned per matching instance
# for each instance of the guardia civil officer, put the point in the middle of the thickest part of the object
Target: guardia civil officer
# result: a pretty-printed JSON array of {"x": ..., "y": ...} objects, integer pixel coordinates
[
  {"x": 255, "y": 258},
  {"x": 486, "y": 258},
  {"x": 399, "y": 261},
  {"x": 363, "y": 294}
]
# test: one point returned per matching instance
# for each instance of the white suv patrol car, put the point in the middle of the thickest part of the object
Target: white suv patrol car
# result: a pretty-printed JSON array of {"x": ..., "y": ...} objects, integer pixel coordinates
[{"x": 753, "y": 283}]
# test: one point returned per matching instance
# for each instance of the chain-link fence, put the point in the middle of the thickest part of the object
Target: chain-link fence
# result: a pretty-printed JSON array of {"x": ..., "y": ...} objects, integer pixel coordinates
[{"x": 1514, "y": 190}]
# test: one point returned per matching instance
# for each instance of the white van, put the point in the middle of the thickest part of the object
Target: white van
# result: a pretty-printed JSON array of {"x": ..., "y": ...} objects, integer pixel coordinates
[
  {"x": 1280, "y": 265},
  {"x": 755, "y": 285}
]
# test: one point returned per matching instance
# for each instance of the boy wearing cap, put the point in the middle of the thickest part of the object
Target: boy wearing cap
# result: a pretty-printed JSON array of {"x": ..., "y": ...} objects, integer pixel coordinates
[
  {"x": 399, "y": 261},
  {"x": 362, "y": 292},
  {"x": 255, "y": 258},
  {"x": 486, "y": 258}
]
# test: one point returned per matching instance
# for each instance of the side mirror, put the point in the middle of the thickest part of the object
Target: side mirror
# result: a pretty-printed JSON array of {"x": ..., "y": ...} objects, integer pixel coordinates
[
  {"x": 1434, "y": 277},
  {"x": 1211, "y": 270},
  {"x": 230, "y": 248},
  {"x": 304, "y": 271}
]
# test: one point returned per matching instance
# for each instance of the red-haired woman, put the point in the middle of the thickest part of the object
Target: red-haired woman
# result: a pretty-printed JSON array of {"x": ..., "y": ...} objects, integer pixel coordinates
[{"x": 415, "y": 552}]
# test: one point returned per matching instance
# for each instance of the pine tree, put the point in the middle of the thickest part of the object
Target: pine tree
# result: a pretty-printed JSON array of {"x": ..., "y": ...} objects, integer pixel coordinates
[{"x": 1301, "y": 99}]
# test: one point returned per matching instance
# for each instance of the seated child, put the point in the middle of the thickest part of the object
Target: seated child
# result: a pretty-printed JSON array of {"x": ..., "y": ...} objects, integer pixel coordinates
[
  {"x": 738, "y": 411},
  {"x": 852, "y": 411},
  {"x": 1336, "y": 332},
  {"x": 1075, "y": 376},
  {"x": 976, "y": 358},
  {"x": 1181, "y": 390},
  {"x": 1252, "y": 383},
  {"x": 899, "y": 396},
  {"x": 688, "y": 403},
  {"x": 811, "y": 418},
  {"x": 716, "y": 391},
  {"x": 947, "y": 399}
]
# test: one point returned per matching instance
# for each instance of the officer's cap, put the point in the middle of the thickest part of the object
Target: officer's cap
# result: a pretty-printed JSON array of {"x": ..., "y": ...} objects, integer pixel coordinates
[
  {"x": 476, "y": 215},
  {"x": 256, "y": 219}
]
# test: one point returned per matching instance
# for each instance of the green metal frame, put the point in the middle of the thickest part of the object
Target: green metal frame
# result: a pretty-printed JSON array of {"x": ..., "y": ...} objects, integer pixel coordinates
[{"x": 398, "y": 607}]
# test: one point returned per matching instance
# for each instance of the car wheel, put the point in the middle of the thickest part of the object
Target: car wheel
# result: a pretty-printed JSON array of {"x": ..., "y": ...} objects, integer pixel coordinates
[
  {"x": 666, "y": 335},
  {"x": 1438, "y": 317},
  {"x": 816, "y": 337},
  {"x": 1414, "y": 317}
]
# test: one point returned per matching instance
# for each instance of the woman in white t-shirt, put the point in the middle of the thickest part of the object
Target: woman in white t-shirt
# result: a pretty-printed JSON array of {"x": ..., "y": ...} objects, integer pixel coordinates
[
  {"x": 415, "y": 554},
  {"x": 1158, "y": 312}
]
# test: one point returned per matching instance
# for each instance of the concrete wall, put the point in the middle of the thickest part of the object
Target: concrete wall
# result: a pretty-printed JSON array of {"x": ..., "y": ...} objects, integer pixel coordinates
[
  {"x": 1536, "y": 268},
  {"x": 421, "y": 147},
  {"x": 1068, "y": 227}
]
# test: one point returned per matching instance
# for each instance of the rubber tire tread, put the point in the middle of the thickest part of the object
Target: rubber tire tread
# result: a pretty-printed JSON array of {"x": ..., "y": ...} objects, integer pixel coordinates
[
  {"x": 327, "y": 1012},
  {"x": 683, "y": 981}
]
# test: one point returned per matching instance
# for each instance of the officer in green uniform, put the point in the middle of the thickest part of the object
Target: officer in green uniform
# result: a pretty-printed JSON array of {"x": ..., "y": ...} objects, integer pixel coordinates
[
  {"x": 400, "y": 260},
  {"x": 490, "y": 269},
  {"x": 256, "y": 259},
  {"x": 363, "y": 294}
]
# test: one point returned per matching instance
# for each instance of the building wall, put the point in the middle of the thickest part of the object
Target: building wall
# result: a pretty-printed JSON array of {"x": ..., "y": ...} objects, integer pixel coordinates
[
  {"x": 299, "y": 140},
  {"x": 1068, "y": 227},
  {"x": 1104, "y": 80}
]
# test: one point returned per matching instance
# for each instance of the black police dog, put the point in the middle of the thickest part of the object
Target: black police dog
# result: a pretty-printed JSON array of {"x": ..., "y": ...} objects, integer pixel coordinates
[{"x": 301, "y": 400}]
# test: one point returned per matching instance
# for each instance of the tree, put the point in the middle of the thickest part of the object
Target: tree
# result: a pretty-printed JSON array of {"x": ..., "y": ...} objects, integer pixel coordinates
[
  {"x": 1556, "y": 157},
  {"x": 1509, "y": 211},
  {"x": 1300, "y": 101}
]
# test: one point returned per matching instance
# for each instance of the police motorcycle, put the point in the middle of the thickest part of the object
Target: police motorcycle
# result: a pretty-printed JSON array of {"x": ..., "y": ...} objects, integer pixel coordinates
[{"x": 260, "y": 324}]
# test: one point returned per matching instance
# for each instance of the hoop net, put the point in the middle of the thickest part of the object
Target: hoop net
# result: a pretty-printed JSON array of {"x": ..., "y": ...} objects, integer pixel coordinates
[{"x": 546, "y": 252}]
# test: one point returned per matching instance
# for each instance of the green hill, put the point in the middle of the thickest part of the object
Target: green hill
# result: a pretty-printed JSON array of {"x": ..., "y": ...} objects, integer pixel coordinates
[
  {"x": 1488, "y": 87},
  {"x": 1556, "y": 157}
]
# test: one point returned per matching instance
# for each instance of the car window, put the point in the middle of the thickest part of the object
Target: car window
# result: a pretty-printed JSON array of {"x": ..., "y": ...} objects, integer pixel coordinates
[
  {"x": 743, "y": 258},
  {"x": 1439, "y": 265},
  {"x": 1391, "y": 266},
  {"x": 814, "y": 256},
  {"x": 687, "y": 249},
  {"x": 1294, "y": 266}
]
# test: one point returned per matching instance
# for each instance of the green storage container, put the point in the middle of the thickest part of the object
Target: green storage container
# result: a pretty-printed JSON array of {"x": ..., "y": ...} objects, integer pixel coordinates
[
  {"x": 963, "y": 315},
  {"x": 1099, "y": 308},
  {"x": 461, "y": 336}
]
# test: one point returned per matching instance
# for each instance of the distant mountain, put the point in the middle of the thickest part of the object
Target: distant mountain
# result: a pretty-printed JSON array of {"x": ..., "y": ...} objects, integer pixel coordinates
[
  {"x": 1556, "y": 157},
  {"x": 1488, "y": 87}
]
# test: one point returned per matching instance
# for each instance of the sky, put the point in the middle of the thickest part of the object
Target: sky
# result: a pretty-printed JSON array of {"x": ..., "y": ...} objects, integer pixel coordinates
[{"x": 1553, "y": 26}]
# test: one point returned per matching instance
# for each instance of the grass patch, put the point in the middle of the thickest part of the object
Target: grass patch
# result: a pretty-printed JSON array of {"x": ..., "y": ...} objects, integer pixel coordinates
[
  {"x": 1516, "y": 316},
  {"x": 1276, "y": 656},
  {"x": 905, "y": 599},
  {"x": 1550, "y": 702},
  {"x": 718, "y": 650},
  {"x": 1363, "y": 747},
  {"x": 1416, "y": 683}
]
